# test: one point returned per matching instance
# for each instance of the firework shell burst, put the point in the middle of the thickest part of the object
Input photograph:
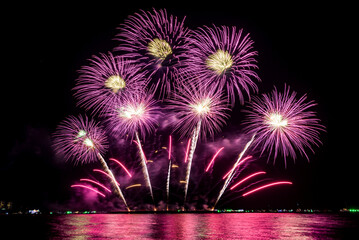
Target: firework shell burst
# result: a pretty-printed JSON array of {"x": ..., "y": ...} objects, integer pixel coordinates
[
  {"x": 79, "y": 140},
  {"x": 224, "y": 58},
  {"x": 157, "y": 41},
  {"x": 107, "y": 80},
  {"x": 283, "y": 124},
  {"x": 192, "y": 104},
  {"x": 135, "y": 114}
]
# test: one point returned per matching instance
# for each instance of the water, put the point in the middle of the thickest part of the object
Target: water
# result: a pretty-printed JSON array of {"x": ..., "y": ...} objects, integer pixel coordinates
[{"x": 181, "y": 226}]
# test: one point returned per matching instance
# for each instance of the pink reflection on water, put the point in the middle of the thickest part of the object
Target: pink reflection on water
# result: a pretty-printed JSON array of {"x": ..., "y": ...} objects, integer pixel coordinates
[{"x": 198, "y": 226}]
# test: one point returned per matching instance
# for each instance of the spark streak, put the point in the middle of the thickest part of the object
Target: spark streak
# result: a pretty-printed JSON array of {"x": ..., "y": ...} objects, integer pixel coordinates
[
  {"x": 236, "y": 165},
  {"x": 95, "y": 182},
  {"x": 170, "y": 148},
  {"x": 187, "y": 150},
  {"x": 144, "y": 166},
  {"x": 119, "y": 163},
  {"x": 190, "y": 156},
  {"x": 214, "y": 157},
  {"x": 230, "y": 175},
  {"x": 90, "y": 188},
  {"x": 134, "y": 185},
  {"x": 245, "y": 179},
  {"x": 265, "y": 186}
]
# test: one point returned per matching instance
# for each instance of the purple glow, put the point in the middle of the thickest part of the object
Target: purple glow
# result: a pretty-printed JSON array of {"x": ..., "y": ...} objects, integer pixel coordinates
[
  {"x": 223, "y": 58},
  {"x": 192, "y": 105},
  {"x": 282, "y": 123},
  {"x": 137, "y": 113},
  {"x": 158, "y": 42},
  {"x": 107, "y": 80},
  {"x": 79, "y": 139}
]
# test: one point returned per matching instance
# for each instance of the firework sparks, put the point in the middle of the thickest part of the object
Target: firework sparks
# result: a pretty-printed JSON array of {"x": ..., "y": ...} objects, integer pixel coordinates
[
  {"x": 95, "y": 182},
  {"x": 231, "y": 174},
  {"x": 265, "y": 186},
  {"x": 224, "y": 59},
  {"x": 79, "y": 140},
  {"x": 123, "y": 166},
  {"x": 105, "y": 81},
  {"x": 137, "y": 113},
  {"x": 237, "y": 164},
  {"x": 213, "y": 158},
  {"x": 158, "y": 42},
  {"x": 246, "y": 178},
  {"x": 282, "y": 124},
  {"x": 134, "y": 185},
  {"x": 187, "y": 150},
  {"x": 87, "y": 187}
]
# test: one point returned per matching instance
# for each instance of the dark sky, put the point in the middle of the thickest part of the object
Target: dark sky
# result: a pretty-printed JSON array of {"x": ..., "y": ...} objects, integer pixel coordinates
[{"x": 309, "y": 47}]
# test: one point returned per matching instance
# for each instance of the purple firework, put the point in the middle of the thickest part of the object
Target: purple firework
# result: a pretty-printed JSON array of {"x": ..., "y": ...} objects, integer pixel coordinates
[
  {"x": 193, "y": 105},
  {"x": 224, "y": 59},
  {"x": 79, "y": 139},
  {"x": 282, "y": 123},
  {"x": 156, "y": 41},
  {"x": 107, "y": 80},
  {"x": 136, "y": 114}
]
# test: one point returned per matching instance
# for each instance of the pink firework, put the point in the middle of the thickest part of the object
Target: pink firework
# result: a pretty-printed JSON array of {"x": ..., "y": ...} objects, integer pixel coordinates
[
  {"x": 107, "y": 80},
  {"x": 137, "y": 114},
  {"x": 194, "y": 105},
  {"x": 224, "y": 58},
  {"x": 79, "y": 139},
  {"x": 158, "y": 42},
  {"x": 283, "y": 124}
]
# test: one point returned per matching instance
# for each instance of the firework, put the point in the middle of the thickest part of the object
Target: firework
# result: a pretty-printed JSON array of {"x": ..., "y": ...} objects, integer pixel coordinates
[
  {"x": 246, "y": 178},
  {"x": 282, "y": 124},
  {"x": 158, "y": 42},
  {"x": 135, "y": 114},
  {"x": 265, "y": 186},
  {"x": 198, "y": 112},
  {"x": 79, "y": 140},
  {"x": 87, "y": 187},
  {"x": 169, "y": 169},
  {"x": 214, "y": 157},
  {"x": 236, "y": 165},
  {"x": 123, "y": 166},
  {"x": 224, "y": 58},
  {"x": 95, "y": 182},
  {"x": 105, "y": 81}
]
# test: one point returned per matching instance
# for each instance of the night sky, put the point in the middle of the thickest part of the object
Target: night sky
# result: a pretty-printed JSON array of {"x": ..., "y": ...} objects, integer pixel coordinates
[{"x": 309, "y": 47}]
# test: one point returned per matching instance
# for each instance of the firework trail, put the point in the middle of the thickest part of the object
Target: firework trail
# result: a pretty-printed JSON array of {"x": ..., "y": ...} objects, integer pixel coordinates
[
  {"x": 87, "y": 187},
  {"x": 246, "y": 178},
  {"x": 187, "y": 150},
  {"x": 144, "y": 167},
  {"x": 169, "y": 169},
  {"x": 120, "y": 164},
  {"x": 194, "y": 140},
  {"x": 134, "y": 185},
  {"x": 95, "y": 182},
  {"x": 158, "y": 42},
  {"x": 198, "y": 111},
  {"x": 230, "y": 175},
  {"x": 113, "y": 181},
  {"x": 236, "y": 166},
  {"x": 265, "y": 186},
  {"x": 214, "y": 157}
]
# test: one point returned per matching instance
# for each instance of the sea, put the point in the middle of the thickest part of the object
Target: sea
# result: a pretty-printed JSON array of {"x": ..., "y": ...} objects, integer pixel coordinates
[{"x": 181, "y": 226}]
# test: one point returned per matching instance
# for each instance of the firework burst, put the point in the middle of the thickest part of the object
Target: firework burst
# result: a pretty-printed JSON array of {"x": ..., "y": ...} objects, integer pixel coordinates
[
  {"x": 79, "y": 139},
  {"x": 158, "y": 42},
  {"x": 107, "y": 80},
  {"x": 224, "y": 59},
  {"x": 136, "y": 114},
  {"x": 283, "y": 124}
]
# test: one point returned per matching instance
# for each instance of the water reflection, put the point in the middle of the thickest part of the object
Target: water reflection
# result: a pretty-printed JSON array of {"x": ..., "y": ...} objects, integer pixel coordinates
[{"x": 199, "y": 226}]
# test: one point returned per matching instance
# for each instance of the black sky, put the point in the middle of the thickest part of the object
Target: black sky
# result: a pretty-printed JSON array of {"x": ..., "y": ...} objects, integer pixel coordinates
[{"x": 309, "y": 47}]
